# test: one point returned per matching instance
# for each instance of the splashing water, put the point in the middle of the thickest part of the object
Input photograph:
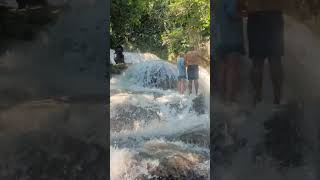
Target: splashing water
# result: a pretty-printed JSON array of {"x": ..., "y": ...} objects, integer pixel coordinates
[
  {"x": 147, "y": 74},
  {"x": 301, "y": 63},
  {"x": 131, "y": 58},
  {"x": 301, "y": 60},
  {"x": 156, "y": 132}
]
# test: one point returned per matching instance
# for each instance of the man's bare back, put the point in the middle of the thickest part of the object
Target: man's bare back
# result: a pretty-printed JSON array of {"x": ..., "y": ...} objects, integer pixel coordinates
[{"x": 193, "y": 57}]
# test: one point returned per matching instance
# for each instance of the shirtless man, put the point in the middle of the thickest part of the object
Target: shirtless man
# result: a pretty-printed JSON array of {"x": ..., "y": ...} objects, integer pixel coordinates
[
  {"x": 265, "y": 35},
  {"x": 192, "y": 59}
]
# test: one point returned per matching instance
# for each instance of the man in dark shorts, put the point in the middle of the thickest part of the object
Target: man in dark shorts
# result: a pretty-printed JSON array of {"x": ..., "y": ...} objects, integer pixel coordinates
[
  {"x": 192, "y": 59},
  {"x": 265, "y": 34}
]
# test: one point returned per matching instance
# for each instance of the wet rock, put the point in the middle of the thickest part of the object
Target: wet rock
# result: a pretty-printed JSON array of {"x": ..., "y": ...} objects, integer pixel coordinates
[
  {"x": 157, "y": 95},
  {"x": 177, "y": 107},
  {"x": 14, "y": 95},
  {"x": 198, "y": 104},
  {"x": 49, "y": 156},
  {"x": 118, "y": 68},
  {"x": 164, "y": 83},
  {"x": 31, "y": 115},
  {"x": 157, "y": 74},
  {"x": 217, "y": 133},
  {"x": 131, "y": 117},
  {"x": 81, "y": 117},
  {"x": 175, "y": 162},
  {"x": 197, "y": 135},
  {"x": 283, "y": 139},
  {"x": 159, "y": 159},
  {"x": 178, "y": 167},
  {"x": 115, "y": 91},
  {"x": 25, "y": 24},
  {"x": 222, "y": 150}
]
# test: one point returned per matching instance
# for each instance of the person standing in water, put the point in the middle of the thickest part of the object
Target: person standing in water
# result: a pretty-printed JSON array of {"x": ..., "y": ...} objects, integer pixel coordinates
[
  {"x": 181, "y": 73},
  {"x": 119, "y": 55},
  {"x": 230, "y": 47},
  {"x": 192, "y": 59},
  {"x": 266, "y": 41}
]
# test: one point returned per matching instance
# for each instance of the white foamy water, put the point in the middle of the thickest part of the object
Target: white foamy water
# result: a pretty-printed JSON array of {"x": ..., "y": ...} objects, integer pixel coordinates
[
  {"x": 157, "y": 132},
  {"x": 131, "y": 58}
]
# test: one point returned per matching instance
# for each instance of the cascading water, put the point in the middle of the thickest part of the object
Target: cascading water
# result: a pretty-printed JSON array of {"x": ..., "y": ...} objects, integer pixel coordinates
[
  {"x": 131, "y": 57},
  {"x": 156, "y": 132}
]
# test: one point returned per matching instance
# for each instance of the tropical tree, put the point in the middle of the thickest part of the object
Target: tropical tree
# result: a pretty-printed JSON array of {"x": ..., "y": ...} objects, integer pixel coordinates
[{"x": 160, "y": 26}]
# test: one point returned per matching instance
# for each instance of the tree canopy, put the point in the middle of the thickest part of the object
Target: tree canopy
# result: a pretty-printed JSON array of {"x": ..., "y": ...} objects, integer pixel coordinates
[{"x": 160, "y": 26}]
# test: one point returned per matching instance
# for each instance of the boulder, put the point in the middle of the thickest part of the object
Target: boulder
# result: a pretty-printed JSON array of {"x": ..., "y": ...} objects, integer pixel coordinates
[
  {"x": 50, "y": 156},
  {"x": 156, "y": 74},
  {"x": 128, "y": 117}
]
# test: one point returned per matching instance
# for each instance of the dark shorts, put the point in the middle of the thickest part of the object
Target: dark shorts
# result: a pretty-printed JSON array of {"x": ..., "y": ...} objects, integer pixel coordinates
[
  {"x": 182, "y": 77},
  {"x": 229, "y": 39},
  {"x": 223, "y": 50},
  {"x": 193, "y": 72},
  {"x": 265, "y": 34}
]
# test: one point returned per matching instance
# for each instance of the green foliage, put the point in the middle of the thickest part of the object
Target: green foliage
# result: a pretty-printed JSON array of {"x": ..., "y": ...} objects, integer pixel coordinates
[
  {"x": 187, "y": 24},
  {"x": 159, "y": 26},
  {"x": 125, "y": 14}
]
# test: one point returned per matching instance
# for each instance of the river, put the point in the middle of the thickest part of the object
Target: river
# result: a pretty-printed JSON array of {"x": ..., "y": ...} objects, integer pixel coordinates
[{"x": 157, "y": 133}]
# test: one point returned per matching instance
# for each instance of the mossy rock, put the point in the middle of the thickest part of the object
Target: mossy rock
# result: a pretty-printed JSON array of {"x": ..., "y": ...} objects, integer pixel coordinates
[{"x": 118, "y": 68}]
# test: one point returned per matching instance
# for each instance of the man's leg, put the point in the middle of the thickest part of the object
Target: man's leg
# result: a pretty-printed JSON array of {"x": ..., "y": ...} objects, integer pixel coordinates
[
  {"x": 232, "y": 75},
  {"x": 222, "y": 78},
  {"x": 21, "y": 4},
  {"x": 122, "y": 60},
  {"x": 196, "y": 82},
  {"x": 276, "y": 73},
  {"x": 196, "y": 85},
  {"x": 235, "y": 76},
  {"x": 182, "y": 86},
  {"x": 190, "y": 86},
  {"x": 257, "y": 78},
  {"x": 228, "y": 77}
]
